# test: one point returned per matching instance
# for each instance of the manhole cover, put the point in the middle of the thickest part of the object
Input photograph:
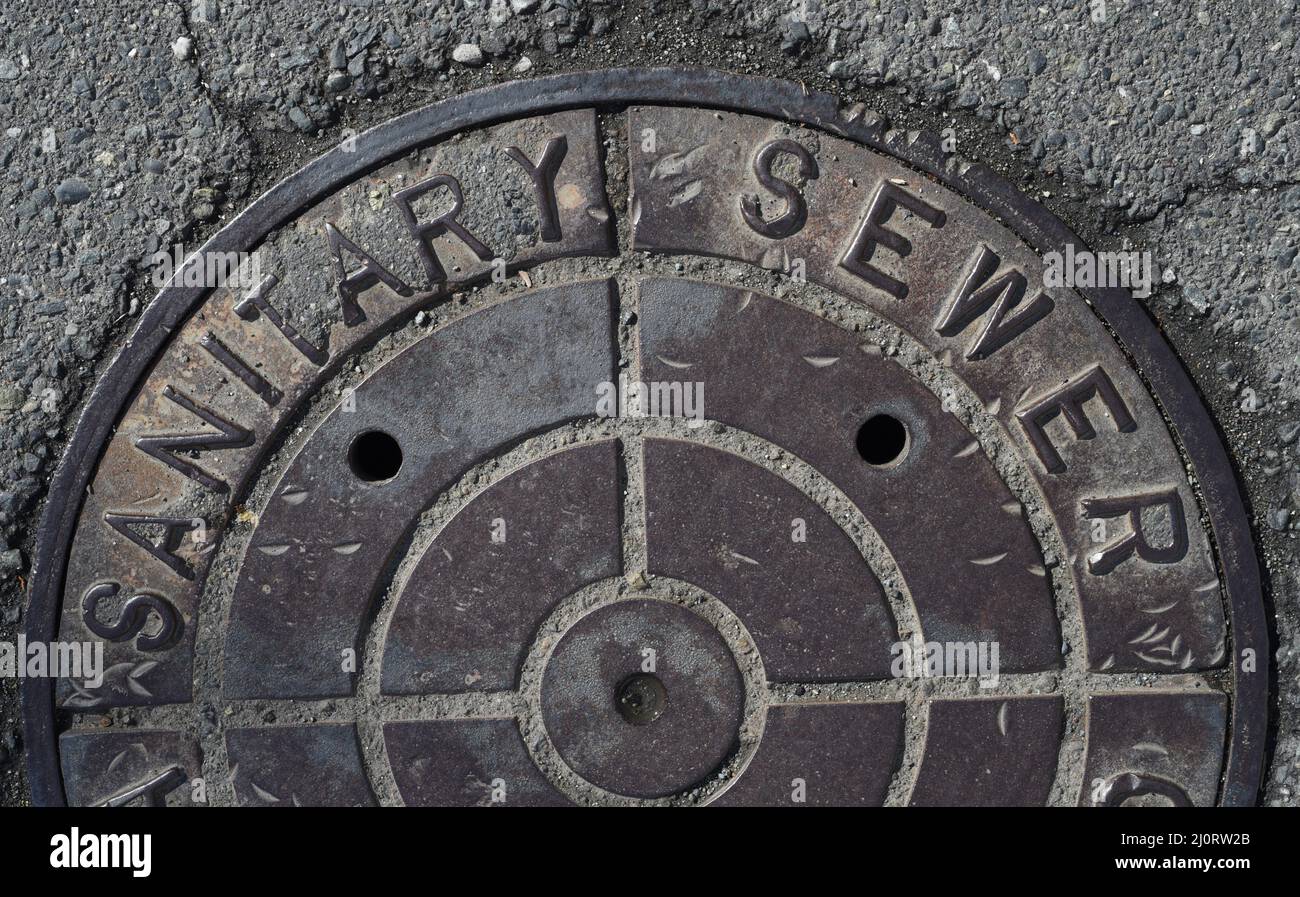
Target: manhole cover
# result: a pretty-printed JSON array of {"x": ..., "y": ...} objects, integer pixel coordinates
[{"x": 647, "y": 436}]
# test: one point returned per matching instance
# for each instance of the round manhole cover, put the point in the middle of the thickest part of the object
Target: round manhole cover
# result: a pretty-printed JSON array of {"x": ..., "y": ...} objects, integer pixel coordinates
[{"x": 647, "y": 436}]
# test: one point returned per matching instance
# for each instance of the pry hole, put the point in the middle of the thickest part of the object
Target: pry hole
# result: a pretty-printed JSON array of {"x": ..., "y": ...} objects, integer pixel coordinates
[
  {"x": 882, "y": 440},
  {"x": 375, "y": 456}
]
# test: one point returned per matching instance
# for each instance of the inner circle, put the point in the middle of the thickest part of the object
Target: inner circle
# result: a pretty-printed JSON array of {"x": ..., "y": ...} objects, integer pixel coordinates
[{"x": 642, "y": 745}]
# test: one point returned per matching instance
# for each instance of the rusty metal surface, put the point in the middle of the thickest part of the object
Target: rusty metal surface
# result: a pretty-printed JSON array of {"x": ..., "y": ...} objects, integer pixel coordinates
[
  {"x": 840, "y": 754},
  {"x": 454, "y": 763},
  {"x": 699, "y": 699},
  {"x": 807, "y": 386},
  {"x": 990, "y": 752},
  {"x": 339, "y": 632},
  {"x": 284, "y": 766},
  {"x": 1165, "y": 740},
  {"x": 471, "y": 609},
  {"x": 150, "y": 767},
  {"x": 1011, "y": 381},
  {"x": 811, "y": 606}
]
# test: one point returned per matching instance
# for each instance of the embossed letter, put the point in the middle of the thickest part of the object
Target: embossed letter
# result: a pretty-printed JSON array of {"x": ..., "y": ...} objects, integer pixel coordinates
[
  {"x": 133, "y": 617},
  {"x": 424, "y": 233},
  {"x": 872, "y": 231},
  {"x": 164, "y": 447},
  {"x": 543, "y": 178},
  {"x": 1135, "y": 541},
  {"x": 350, "y": 286},
  {"x": 153, "y": 790},
  {"x": 975, "y": 296},
  {"x": 255, "y": 305},
  {"x": 237, "y": 366},
  {"x": 1068, "y": 400},
  {"x": 792, "y": 219},
  {"x": 164, "y": 549}
]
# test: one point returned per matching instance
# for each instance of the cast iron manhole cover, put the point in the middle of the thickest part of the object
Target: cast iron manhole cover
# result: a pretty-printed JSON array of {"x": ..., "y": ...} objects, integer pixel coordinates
[{"x": 647, "y": 436}]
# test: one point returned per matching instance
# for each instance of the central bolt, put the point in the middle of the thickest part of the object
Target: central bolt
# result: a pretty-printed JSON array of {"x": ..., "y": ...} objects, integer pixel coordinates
[{"x": 641, "y": 699}]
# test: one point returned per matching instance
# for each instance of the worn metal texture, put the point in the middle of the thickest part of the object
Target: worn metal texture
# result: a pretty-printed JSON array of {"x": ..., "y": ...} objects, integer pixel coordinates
[
  {"x": 699, "y": 699},
  {"x": 363, "y": 532}
]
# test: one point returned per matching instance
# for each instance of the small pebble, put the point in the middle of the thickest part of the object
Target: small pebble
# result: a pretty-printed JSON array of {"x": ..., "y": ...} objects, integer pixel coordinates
[
  {"x": 71, "y": 192},
  {"x": 468, "y": 54}
]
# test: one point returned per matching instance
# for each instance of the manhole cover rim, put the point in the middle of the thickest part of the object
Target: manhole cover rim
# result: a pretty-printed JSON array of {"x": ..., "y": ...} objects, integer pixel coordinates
[{"x": 1040, "y": 229}]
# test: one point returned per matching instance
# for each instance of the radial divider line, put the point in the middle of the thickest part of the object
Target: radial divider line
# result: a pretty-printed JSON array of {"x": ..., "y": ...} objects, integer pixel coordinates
[
  {"x": 631, "y": 442},
  {"x": 498, "y": 704}
]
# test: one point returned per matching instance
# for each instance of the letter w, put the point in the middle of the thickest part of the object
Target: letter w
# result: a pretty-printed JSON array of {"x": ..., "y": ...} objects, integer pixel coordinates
[{"x": 976, "y": 296}]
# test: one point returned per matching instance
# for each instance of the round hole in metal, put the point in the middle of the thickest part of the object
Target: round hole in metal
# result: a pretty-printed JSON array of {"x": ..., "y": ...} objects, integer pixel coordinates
[
  {"x": 882, "y": 440},
  {"x": 375, "y": 456}
]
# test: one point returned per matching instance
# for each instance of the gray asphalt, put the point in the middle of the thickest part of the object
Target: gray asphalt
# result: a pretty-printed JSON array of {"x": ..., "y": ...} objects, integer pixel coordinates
[{"x": 128, "y": 127}]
